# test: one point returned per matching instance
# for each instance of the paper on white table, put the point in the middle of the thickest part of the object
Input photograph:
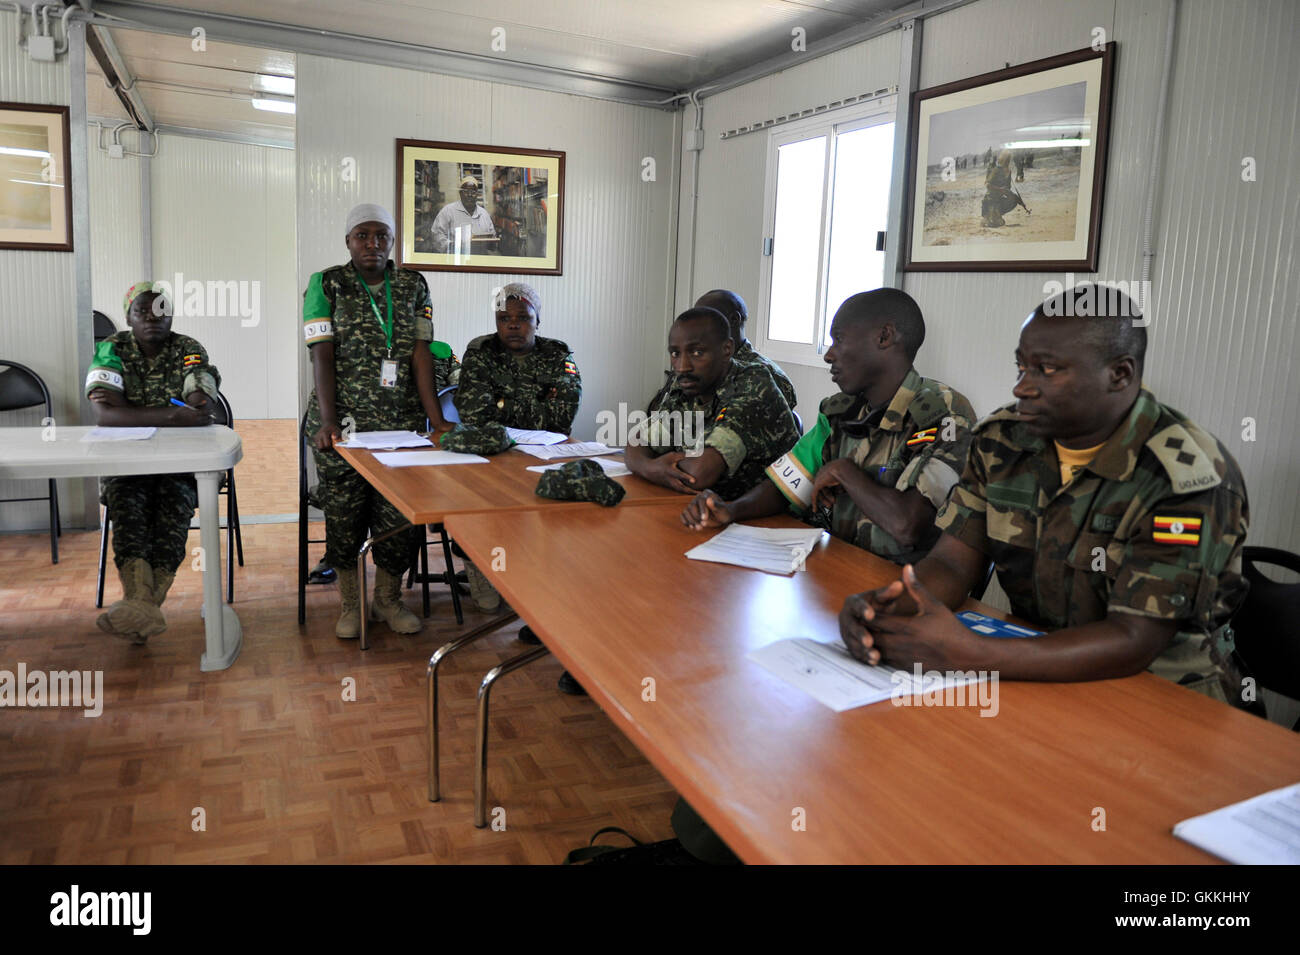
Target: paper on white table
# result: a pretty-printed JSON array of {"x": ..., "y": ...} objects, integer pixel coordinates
[
  {"x": 378, "y": 440},
  {"x": 611, "y": 467},
  {"x": 776, "y": 550},
  {"x": 414, "y": 459},
  {"x": 1264, "y": 830},
  {"x": 523, "y": 436},
  {"x": 576, "y": 449},
  {"x": 830, "y": 675},
  {"x": 118, "y": 434}
]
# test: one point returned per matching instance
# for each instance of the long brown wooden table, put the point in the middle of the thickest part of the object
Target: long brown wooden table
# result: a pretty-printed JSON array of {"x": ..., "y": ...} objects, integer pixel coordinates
[
  {"x": 428, "y": 495},
  {"x": 610, "y": 594}
]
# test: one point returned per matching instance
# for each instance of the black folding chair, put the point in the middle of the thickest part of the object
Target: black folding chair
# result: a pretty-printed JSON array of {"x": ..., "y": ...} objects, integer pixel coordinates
[
  {"x": 306, "y": 501},
  {"x": 449, "y": 577},
  {"x": 20, "y": 387},
  {"x": 104, "y": 327},
  {"x": 234, "y": 538},
  {"x": 1267, "y": 640}
]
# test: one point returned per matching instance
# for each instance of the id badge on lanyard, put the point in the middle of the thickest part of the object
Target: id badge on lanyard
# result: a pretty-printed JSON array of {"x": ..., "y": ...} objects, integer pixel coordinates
[{"x": 388, "y": 373}]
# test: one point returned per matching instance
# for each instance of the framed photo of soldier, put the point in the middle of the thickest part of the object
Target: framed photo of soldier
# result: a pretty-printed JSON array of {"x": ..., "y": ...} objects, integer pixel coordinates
[
  {"x": 35, "y": 196},
  {"x": 1006, "y": 171},
  {"x": 467, "y": 208}
]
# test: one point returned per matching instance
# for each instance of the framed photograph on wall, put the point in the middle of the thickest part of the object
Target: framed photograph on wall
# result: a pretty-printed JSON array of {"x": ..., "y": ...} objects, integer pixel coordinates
[
  {"x": 467, "y": 208},
  {"x": 1006, "y": 171},
  {"x": 35, "y": 196}
]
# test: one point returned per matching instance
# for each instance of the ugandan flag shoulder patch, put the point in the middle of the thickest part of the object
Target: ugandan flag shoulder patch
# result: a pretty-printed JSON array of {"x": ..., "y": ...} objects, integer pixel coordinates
[
  {"x": 191, "y": 360},
  {"x": 923, "y": 437},
  {"x": 720, "y": 415},
  {"x": 570, "y": 368},
  {"x": 1177, "y": 529}
]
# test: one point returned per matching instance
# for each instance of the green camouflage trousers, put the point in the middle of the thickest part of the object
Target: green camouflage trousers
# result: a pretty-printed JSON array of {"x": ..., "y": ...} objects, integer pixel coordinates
[
  {"x": 353, "y": 509},
  {"x": 151, "y": 517}
]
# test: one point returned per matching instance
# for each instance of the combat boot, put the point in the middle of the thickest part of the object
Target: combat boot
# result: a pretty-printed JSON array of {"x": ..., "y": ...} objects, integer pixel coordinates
[
  {"x": 134, "y": 616},
  {"x": 349, "y": 625},
  {"x": 162, "y": 582},
  {"x": 387, "y": 605},
  {"x": 484, "y": 594}
]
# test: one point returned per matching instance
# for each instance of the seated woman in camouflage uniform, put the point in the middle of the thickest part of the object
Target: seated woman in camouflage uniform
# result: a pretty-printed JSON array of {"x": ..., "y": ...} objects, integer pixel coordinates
[
  {"x": 518, "y": 379},
  {"x": 133, "y": 377},
  {"x": 368, "y": 325}
]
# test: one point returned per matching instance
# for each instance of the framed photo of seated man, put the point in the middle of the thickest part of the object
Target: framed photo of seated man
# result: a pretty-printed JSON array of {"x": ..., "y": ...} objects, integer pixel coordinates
[{"x": 467, "y": 208}]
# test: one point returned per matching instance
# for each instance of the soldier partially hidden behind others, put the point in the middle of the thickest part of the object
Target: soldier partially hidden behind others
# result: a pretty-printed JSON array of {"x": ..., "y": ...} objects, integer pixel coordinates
[
  {"x": 368, "y": 326},
  {"x": 133, "y": 378},
  {"x": 1114, "y": 523}
]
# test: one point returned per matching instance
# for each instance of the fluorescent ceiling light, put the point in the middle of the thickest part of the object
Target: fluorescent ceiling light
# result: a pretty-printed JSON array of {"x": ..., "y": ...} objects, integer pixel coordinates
[
  {"x": 1046, "y": 143},
  {"x": 33, "y": 182},
  {"x": 284, "y": 85},
  {"x": 19, "y": 151},
  {"x": 274, "y": 104}
]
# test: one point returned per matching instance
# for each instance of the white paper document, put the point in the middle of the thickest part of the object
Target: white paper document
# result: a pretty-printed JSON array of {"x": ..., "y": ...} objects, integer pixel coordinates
[
  {"x": 776, "y": 550},
  {"x": 576, "y": 449},
  {"x": 830, "y": 675},
  {"x": 1264, "y": 830},
  {"x": 611, "y": 467},
  {"x": 118, "y": 434},
  {"x": 522, "y": 436},
  {"x": 416, "y": 459},
  {"x": 379, "y": 440}
]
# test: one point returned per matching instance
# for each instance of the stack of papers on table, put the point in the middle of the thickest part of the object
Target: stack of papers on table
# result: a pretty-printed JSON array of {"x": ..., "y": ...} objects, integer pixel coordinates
[
  {"x": 1260, "y": 831},
  {"x": 611, "y": 467},
  {"x": 413, "y": 459},
  {"x": 521, "y": 436},
  {"x": 830, "y": 675},
  {"x": 378, "y": 440},
  {"x": 577, "y": 449},
  {"x": 776, "y": 550},
  {"x": 118, "y": 434}
]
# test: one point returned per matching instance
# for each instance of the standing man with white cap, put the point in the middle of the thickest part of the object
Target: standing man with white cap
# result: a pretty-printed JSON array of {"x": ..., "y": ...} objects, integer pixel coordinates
[
  {"x": 368, "y": 326},
  {"x": 462, "y": 221}
]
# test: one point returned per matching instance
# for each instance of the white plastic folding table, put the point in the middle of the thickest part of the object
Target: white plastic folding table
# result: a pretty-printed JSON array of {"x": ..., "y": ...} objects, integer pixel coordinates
[{"x": 208, "y": 452}]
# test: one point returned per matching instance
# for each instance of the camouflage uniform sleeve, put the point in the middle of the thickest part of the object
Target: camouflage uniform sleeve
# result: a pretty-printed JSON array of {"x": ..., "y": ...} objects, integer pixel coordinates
[
  {"x": 785, "y": 384},
  {"x": 560, "y": 405},
  {"x": 317, "y": 311},
  {"x": 754, "y": 420},
  {"x": 105, "y": 369},
  {"x": 939, "y": 459},
  {"x": 423, "y": 312},
  {"x": 200, "y": 374},
  {"x": 446, "y": 366},
  {"x": 1184, "y": 562},
  {"x": 474, "y": 398},
  {"x": 964, "y": 515}
]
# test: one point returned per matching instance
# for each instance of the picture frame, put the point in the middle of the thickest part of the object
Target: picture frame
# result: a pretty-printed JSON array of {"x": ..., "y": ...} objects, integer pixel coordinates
[
  {"x": 35, "y": 189},
  {"x": 517, "y": 225},
  {"x": 1006, "y": 171}
]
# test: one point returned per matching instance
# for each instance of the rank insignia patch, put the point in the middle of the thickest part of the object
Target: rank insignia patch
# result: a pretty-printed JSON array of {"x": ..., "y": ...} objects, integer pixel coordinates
[{"x": 1171, "y": 529}]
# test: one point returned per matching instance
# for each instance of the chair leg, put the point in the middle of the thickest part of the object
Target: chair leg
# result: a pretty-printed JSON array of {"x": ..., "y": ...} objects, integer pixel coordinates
[
  {"x": 232, "y": 514},
  {"x": 103, "y": 554},
  {"x": 451, "y": 577},
  {"x": 480, "y": 754},
  {"x": 302, "y": 559},
  {"x": 424, "y": 570},
  {"x": 54, "y": 524},
  {"x": 230, "y": 554}
]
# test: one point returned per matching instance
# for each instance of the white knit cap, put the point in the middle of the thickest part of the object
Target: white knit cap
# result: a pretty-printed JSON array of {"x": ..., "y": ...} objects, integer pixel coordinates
[
  {"x": 522, "y": 291},
  {"x": 369, "y": 212}
]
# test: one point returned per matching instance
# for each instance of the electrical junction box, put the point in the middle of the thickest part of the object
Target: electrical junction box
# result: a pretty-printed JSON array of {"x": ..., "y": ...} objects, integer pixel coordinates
[
  {"x": 692, "y": 140},
  {"x": 41, "y": 48},
  {"x": 115, "y": 151}
]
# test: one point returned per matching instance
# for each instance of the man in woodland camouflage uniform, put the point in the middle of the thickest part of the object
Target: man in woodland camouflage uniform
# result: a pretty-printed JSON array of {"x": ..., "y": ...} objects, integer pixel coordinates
[
  {"x": 884, "y": 453},
  {"x": 1114, "y": 522},
  {"x": 133, "y": 378}
]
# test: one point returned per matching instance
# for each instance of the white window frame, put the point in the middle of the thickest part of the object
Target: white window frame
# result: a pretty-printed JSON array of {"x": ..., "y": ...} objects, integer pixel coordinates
[{"x": 829, "y": 123}]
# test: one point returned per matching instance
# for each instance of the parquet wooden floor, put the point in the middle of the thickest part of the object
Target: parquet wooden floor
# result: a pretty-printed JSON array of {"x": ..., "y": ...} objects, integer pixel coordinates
[{"x": 285, "y": 770}]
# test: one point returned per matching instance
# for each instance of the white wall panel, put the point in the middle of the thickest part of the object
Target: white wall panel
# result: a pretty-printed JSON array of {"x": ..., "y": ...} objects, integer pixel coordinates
[
  {"x": 115, "y": 230},
  {"x": 1223, "y": 339},
  {"x": 616, "y": 228},
  {"x": 37, "y": 296},
  {"x": 224, "y": 212}
]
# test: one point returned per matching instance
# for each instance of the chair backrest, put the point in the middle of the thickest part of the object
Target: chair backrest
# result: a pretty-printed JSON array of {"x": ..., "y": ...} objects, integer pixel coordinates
[
  {"x": 223, "y": 414},
  {"x": 104, "y": 326},
  {"x": 798, "y": 422},
  {"x": 1265, "y": 624},
  {"x": 20, "y": 387},
  {"x": 447, "y": 399}
]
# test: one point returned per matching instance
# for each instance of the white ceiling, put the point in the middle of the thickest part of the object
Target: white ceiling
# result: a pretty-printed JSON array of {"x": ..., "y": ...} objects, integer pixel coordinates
[{"x": 667, "y": 44}]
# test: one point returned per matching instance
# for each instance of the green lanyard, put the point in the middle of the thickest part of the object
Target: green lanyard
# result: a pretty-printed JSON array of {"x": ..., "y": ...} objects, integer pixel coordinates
[{"x": 387, "y": 326}]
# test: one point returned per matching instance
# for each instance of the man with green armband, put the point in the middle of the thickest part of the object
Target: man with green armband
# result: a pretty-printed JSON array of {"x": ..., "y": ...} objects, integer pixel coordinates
[{"x": 884, "y": 453}]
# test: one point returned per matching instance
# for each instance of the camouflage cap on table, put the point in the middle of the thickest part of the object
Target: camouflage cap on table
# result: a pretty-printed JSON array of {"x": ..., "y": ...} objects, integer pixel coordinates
[
  {"x": 580, "y": 481},
  {"x": 487, "y": 438}
]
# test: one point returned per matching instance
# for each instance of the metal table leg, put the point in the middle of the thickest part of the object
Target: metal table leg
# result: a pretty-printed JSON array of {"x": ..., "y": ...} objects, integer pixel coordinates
[
  {"x": 435, "y": 778},
  {"x": 361, "y": 579},
  {"x": 480, "y": 757}
]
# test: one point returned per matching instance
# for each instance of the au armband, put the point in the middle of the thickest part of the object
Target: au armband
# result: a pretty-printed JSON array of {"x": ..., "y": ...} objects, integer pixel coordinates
[
  {"x": 104, "y": 378},
  {"x": 321, "y": 330},
  {"x": 793, "y": 479}
]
